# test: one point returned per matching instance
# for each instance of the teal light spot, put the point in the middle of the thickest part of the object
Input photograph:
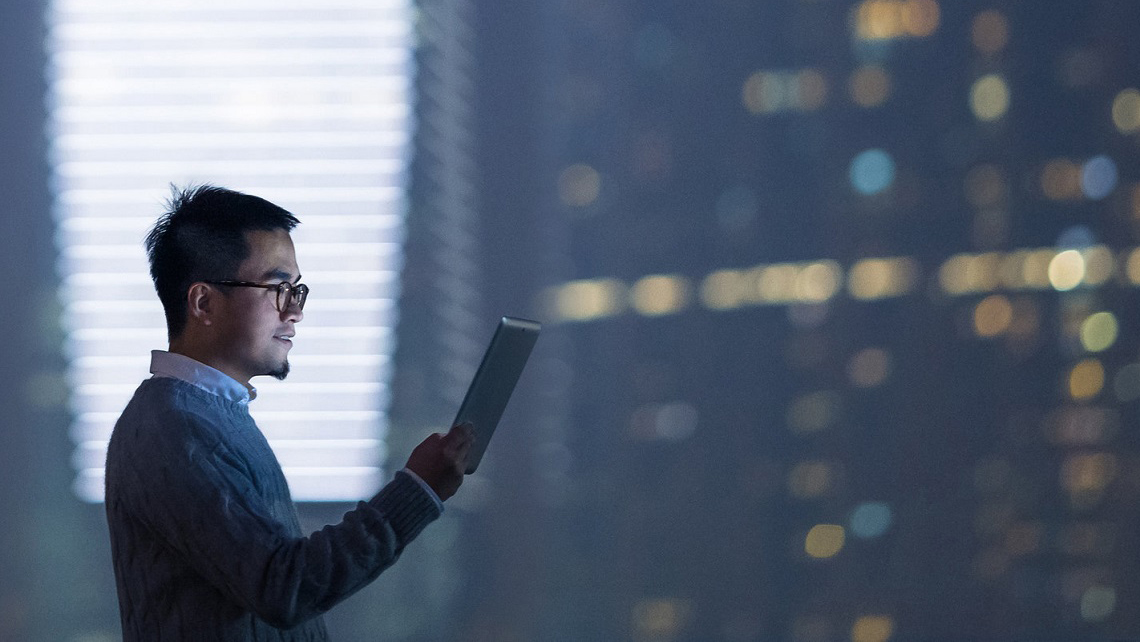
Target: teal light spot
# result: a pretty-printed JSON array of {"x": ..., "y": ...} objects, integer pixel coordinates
[
  {"x": 870, "y": 519},
  {"x": 872, "y": 171}
]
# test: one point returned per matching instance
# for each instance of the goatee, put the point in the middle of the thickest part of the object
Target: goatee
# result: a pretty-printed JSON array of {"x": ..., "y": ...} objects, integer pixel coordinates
[{"x": 281, "y": 372}]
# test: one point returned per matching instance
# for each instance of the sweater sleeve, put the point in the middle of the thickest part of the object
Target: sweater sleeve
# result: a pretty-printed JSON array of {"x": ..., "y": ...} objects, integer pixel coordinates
[{"x": 202, "y": 499}]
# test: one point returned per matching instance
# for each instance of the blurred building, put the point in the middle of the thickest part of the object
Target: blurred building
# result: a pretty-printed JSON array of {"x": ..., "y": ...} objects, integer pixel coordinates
[
  {"x": 841, "y": 334},
  {"x": 843, "y": 304}
]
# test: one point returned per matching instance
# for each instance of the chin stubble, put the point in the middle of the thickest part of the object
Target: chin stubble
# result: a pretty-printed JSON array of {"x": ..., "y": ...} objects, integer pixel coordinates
[{"x": 281, "y": 372}]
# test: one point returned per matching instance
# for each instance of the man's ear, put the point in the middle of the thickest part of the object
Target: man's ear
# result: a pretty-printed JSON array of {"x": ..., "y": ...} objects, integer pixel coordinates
[{"x": 200, "y": 302}]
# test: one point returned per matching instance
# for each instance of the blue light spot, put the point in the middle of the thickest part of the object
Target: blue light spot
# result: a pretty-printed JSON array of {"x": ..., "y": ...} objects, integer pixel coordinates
[
  {"x": 870, "y": 519},
  {"x": 1098, "y": 177},
  {"x": 872, "y": 171},
  {"x": 1077, "y": 237}
]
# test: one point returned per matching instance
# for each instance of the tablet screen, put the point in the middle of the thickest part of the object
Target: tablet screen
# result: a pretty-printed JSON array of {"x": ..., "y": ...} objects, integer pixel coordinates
[{"x": 495, "y": 381}]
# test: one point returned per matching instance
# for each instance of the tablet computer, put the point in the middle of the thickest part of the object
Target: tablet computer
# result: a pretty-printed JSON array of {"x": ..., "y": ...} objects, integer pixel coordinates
[{"x": 494, "y": 382}]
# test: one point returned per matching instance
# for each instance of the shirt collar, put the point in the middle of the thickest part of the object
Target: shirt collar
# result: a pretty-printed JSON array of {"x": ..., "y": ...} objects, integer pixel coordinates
[{"x": 196, "y": 373}]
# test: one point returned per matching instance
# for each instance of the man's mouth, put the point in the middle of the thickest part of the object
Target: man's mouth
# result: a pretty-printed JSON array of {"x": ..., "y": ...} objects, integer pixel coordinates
[{"x": 286, "y": 338}]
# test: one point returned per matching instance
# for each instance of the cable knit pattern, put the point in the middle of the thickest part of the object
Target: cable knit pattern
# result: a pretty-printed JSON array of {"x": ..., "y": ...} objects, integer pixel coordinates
[{"x": 204, "y": 535}]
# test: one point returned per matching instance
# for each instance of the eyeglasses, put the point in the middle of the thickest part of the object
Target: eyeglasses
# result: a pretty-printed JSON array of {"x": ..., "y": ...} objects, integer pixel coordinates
[{"x": 287, "y": 293}]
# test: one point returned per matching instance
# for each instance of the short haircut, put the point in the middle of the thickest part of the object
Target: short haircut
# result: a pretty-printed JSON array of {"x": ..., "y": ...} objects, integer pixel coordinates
[{"x": 201, "y": 237}]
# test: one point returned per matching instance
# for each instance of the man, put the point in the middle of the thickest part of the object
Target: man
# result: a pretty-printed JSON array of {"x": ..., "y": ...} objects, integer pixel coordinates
[{"x": 205, "y": 539}]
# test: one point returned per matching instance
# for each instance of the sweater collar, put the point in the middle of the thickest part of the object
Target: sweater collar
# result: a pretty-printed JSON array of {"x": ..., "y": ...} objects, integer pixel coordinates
[{"x": 196, "y": 373}]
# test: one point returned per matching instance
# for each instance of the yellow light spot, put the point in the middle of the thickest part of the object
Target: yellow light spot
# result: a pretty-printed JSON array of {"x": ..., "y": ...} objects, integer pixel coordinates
[
  {"x": 766, "y": 93},
  {"x": 810, "y": 479},
  {"x": 1012, "y": 271},
  {"x": 989, "y": 97},
  {"x": 1100, "y": 265},
  {"x": 1126, "y": 111},
  {"x": 1086, "y": 380},
  {"x": 1098, "y": 331},
  {"x": 1066, "y": 270},
  {"x": 990, "y": 32},
  {"x": 869, "y": 86},
  {"x": 587, "y": 299},
  {"x": 985, "y": 186},
  {"x": 920, "y": 17},
  {"x": 871, "y": 279},
  {"x": 723, "y": 290},
  {"x": 1132, "y": 267},
  {"x": 992, "y": 316},
  {"x": 818, "y": 282},
  {"x": 660, "y": 619},
  {"x": 660, "y": 294},
  {"x": 579, "y": 185},
  {"x": 775, "y": 283},
  {"x": 824, "y": 540},
  {"x": 1088, "y": 472},
  {"x": 811, "y": 90},
  {"x": 953, "y": 275},
  {"x": 1036, "y": 271},
  {"x": 878, "y": 20},
  {"x": 1061, "y": 179},
  {"x": 872, "y": 628},
  {"x": 869, "y": 368}
]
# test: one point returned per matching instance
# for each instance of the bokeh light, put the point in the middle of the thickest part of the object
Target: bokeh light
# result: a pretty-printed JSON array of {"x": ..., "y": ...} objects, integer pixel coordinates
[
  {"x": 1098, "y": 177},
  {"x": 824, "y": 541},
  {"x": 869, "y": 368},
  {"x": 872, "y": 171},
  {"x": 990, "y": 32},
  {"x": 586, "y": 299},
  {"x": 724, "y": 290},
  {"x": 870, "y": 519},
  {"x": 660, "y": 294},
  {"x": 992, "y": 316},
  {"x": 989, "y": 97},
  {"x": 818, "y": 282},
  {"x": 1066, "y": 270},
  {"x": 1061, "y": 179},
  {"x": 1098, "y": 603},
  {"x": 579, "y": 185},
  {"x": 890, "y": 19},
  {"x": 872, "y": 628},
  {"x": 1098, "y": 331},
  {"x": 1086, "y": 379},
  {"x": 811, "y": 479},
  {"x": 1126, "y": 111},
  {"x": 660, "y": 618},
  {"x": 811, "y": 89},
  {"x": 872, "y": 279},
  {"x": 869, "y": 86},
  {"x": 1088, "y": 472}
]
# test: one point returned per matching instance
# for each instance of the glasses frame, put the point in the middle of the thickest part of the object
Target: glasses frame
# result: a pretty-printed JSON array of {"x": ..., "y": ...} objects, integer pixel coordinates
[{"x": 288, "y": 292}]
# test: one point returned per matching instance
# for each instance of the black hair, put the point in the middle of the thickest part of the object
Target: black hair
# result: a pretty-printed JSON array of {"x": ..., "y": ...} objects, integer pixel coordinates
[{"x": 201, "y": 237}]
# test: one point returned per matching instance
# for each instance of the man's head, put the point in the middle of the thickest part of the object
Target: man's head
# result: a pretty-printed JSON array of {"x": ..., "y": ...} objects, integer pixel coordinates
[{"x": 210, "y": 239}]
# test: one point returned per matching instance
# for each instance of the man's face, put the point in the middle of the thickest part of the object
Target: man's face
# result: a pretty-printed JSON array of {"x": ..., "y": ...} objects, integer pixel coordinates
[{"x": 254, "y": 336}]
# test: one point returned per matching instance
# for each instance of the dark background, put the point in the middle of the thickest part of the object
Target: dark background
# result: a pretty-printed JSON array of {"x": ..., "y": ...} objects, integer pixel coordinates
[{"x": 1012, "y": 502}]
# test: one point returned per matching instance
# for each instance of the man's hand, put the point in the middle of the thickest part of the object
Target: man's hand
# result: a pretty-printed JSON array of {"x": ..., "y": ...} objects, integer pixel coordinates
[{"x": 440, "y": 460}]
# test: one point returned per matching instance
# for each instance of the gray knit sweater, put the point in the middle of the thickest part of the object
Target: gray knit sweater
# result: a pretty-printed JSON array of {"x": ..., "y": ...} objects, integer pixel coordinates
[{"x": 204, "y": 535}]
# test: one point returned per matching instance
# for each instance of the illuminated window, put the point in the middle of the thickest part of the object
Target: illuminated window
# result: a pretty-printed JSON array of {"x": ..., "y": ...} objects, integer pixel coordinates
[{"x": 303, "y": 102}]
